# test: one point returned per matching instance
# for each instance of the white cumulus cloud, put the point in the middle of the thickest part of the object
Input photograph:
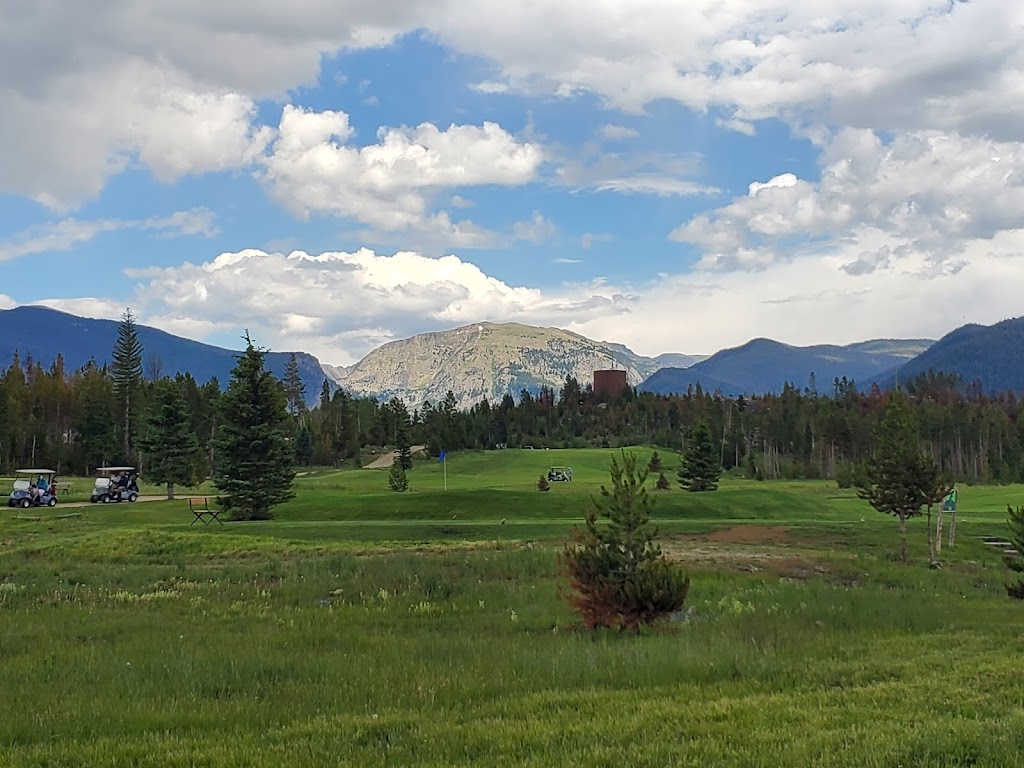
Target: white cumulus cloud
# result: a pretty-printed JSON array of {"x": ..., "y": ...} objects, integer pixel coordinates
[
  {"x": 927, "y": 192},
  {"x": 321, "y": 302},
  {"x": 89, "y": 90},
  {"x": 386, "y": 185},
  {"x": 339, "y": 306},
  {"x": 614, "y": 132}
]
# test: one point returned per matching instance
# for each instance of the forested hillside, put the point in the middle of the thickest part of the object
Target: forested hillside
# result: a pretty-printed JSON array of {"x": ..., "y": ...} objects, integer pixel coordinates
[
  {"x": 41, "y": 334},
  {"x": 991, "y": 357}
]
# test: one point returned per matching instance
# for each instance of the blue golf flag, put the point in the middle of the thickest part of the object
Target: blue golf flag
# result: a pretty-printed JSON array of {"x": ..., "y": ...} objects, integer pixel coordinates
[{"x": 442, "y": 455}]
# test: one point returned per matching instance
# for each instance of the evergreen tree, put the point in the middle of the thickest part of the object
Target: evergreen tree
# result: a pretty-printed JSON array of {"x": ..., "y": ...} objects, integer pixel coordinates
[
  {"x": 294, "y": 387},
  {"x": 170, "y": 446},
  {"x": 898, "y": 479},
  {"x": 93, "y": 428},
  {"x": 543, "y": 484},
  {"x": 405, "y": 452},
  {"x": 399, "y": 427},
  {"x": 654, "y": 465},
  {"x": 1016, "y": 563},
  {"x": 701, "y": 465},
  {"x": 619, "y": 576},
  {"x": 663, "y": 484},
  {"x": 397, "y": 479},
  {"x": 253, "y": 457},
  {"x": 304, "y": 447},
  {"x": 126, "y": 371}
]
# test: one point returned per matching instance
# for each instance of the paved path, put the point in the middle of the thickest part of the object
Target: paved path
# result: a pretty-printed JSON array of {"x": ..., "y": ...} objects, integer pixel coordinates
[{"x": 74, "y": 504}]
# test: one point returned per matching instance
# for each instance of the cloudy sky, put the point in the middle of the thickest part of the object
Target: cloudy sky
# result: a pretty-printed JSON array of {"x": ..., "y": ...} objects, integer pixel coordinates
[{"x": 673, "y": 175}]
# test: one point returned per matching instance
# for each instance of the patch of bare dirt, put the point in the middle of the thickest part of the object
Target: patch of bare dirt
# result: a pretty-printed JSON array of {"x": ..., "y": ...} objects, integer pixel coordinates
[
  {"x": 751, "y": 534},
  {"x": 752, "y": 548}
]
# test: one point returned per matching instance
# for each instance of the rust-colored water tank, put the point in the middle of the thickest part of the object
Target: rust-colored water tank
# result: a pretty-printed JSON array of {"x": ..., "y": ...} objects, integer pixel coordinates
[{"x": 610, "y": 382}]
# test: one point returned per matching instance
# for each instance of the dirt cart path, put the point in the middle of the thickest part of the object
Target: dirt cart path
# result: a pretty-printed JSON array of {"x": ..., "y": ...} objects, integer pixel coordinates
[{"x": 385, "y": 461}]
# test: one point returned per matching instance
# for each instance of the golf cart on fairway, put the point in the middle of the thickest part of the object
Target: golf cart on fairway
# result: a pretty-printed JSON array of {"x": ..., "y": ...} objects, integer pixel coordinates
[
  {"x": 560, "y": 474},
  {"x": 33, "y": 488},
  {"x": 115, "y": 484}
]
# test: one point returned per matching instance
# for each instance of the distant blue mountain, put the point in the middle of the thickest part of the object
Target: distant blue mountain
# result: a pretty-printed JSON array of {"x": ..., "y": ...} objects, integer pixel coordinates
[
  {"x": 991, "y": 354},
  {"x": 44, "y": 333},
  {"x": 762, "y": 365}
]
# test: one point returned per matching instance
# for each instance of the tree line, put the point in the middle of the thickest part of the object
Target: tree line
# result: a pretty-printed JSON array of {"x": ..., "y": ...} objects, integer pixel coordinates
[{"x": 99, "y": 414}]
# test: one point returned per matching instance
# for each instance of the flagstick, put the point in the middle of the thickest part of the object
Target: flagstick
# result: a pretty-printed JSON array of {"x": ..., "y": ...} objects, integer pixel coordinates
[{"x": 444, "y": 463}]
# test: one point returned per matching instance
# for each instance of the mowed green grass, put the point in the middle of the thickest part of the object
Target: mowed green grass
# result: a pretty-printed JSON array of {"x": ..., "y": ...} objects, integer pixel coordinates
[{"x": 363, "y": 627}]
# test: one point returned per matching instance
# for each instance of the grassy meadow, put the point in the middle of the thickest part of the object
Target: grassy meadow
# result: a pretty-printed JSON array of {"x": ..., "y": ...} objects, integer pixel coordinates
[{"x": 368, "y": 628}]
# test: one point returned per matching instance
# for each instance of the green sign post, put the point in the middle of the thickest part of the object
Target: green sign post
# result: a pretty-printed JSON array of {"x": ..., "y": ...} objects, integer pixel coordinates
[{"x": 949, "y": 503}]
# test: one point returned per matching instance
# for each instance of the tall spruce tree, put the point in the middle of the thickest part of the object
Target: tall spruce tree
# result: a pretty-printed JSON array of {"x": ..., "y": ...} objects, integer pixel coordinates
[
  {"x": 126, "y": 371},
  {"x": 402, "y": 427},
  {"x": 899, "y": 479},
  {"x": 254, "y": 469},
  {"x": 619, "y": 576},
  {"x": 1016, "y": 563},
  {"x": 167, "y": 440},
  {"x": 294, "y": 387},
  {"x": 701, "y": 465}
]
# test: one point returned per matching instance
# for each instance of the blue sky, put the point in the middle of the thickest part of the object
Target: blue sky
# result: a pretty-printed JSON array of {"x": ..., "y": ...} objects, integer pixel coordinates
[{"x": 673, "y": 177}]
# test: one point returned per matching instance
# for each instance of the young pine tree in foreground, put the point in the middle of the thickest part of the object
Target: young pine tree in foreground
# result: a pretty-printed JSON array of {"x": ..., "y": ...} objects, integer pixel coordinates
[
  {"x": 619, "y": 576},
  {"x": 170, "y": 446},
  {"x": 701, "y": 467},
  {"x": 1016, "y": 563},
  {"x": 254, "y": 458}
]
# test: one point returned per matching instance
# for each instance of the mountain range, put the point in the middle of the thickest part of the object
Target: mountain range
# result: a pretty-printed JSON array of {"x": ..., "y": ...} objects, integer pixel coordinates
[
  {"x": 494, "y": 359},
  {"x": 763, "y": 365},
  {"x": 43, "y": 333}
]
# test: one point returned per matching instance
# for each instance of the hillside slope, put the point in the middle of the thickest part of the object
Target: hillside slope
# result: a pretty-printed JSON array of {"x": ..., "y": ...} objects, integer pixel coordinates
[
  {"x": 991, "y": 354},
  {"x": 43, "y": 333}
]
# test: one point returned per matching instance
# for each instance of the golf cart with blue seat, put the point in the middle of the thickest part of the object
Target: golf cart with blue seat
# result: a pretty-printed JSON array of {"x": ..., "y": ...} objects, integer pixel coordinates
[
  {"x": 114, "y": 484},
  {"x": 33, "y": 488}
]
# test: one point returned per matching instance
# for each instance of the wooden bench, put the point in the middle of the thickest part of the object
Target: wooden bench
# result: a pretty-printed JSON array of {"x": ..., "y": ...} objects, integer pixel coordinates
[{"x": 202, "y": 512}]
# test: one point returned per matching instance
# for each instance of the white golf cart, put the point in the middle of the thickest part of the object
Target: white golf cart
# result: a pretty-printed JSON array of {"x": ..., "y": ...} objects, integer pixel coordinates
[
  {"x": 115, "y": 484},
  {"x": 33, "y": 488}
]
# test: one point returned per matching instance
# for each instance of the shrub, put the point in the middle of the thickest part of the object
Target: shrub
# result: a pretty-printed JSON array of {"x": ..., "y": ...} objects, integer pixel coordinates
[{"x": 543, "y": 484}]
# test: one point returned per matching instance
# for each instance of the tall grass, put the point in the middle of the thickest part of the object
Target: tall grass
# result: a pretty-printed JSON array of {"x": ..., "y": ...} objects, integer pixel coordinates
[{"x": 349, "y": 632}]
